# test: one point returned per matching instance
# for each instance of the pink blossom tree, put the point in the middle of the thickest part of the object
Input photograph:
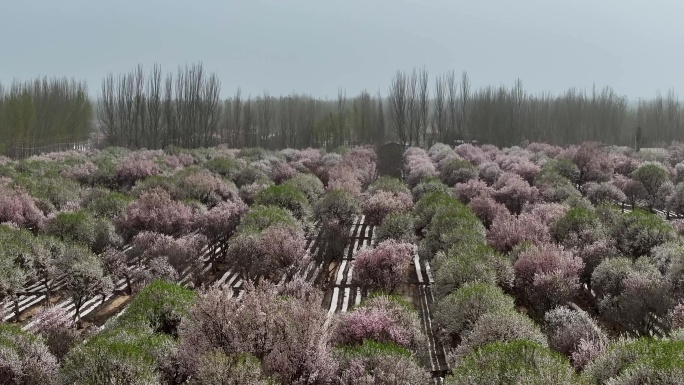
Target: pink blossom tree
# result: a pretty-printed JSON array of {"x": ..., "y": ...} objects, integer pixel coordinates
[
  {"x": 676, "y": 316},
  {"x": 513, "y": 191},
  {"x": 16, "y": 206},
  {"x": 156, "y": 211},
  {"x": 218, "y": 224},
  {"x": 593, "y": 162},
  {"x": 473, "y": 154},
  {"x": 546, "y": 275},
  {"x": 470, "y": 189},
  {"x": 134, "y": 168},
  {"x": 417, "y": 166},
  {"x": 567, "y": 328},
  {"x": 382, "y": 319},
  {"x": 384, "y": 267},
  {"x": 508, "y": 231},
  {"x": 276, "y": 251},
  {"x": 378, "y": 205},
  {"x": 57, "y": 328},
  {"x": 487, "y": 209},
  {"x": 288, "y": 334},
  {"x": 282, "y": 171}
]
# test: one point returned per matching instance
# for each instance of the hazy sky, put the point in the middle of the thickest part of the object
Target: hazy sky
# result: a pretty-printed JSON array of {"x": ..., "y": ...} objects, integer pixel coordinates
[{"x": 316, "y": 46}]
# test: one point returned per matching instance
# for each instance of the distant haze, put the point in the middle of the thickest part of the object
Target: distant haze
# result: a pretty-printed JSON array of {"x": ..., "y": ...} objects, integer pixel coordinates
[{"x": 315, "y": 47}]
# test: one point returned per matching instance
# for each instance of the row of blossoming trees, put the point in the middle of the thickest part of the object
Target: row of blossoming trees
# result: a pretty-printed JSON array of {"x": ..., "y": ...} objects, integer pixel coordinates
[
  {"x": 78, "y": 224},
  {"x": 537, "y": 269}
]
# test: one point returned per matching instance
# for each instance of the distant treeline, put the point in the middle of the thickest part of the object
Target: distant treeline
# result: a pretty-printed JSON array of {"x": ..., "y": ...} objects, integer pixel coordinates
[
  {"x": 157, "y": 109},
  {"x": 42, "y": 113}
]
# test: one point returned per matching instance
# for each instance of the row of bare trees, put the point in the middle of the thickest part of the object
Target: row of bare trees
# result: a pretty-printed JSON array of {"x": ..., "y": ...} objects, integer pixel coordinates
[
  {"x": 40, "y": 113},
  {"x": 155, "y": 110},
  {"x": 507, "y": 116},
  {"x": 139, "y": 111}
]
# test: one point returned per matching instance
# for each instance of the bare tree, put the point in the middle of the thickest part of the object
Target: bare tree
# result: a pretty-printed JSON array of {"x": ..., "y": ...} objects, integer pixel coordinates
[
  {"x": 424, "y": 105},
  {"x": 452, "y": 106},
  {"x": 464, "y": 104},
  {"x": 439, "y": 117},
  {"x": 398, "y": 106}
]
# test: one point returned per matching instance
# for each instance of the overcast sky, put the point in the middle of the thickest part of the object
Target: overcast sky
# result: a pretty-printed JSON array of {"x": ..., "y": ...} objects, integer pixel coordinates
[{"x": 317, "y": 46}]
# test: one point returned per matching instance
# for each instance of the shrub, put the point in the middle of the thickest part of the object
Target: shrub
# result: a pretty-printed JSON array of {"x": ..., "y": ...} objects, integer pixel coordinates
[
  {"x": 476, "y": 263},
  {"x": 556, "y": 188},
  {"x": 249, "y": 175},
  {"x": 396, "y": 226},
  {"x": 389, "y": 184},
  {"x": 216, "y": 368},
  {"x": 652, "y": 176},
  {"x": 458, "y": 312},
  {"x": 337, "y": 210},
  {"x": 503, "y": 326},
  {"x": 428, "y": 205},
  {"x": 377, "y": 363},
  {"x": 24, "y": 359},
  {"x": 604, "y": 193},
  {"x": 514, "y": 362},
  {"x": 428, "y": 185},
  {"x": 579, "y": 226},
  {"x": 224, "y": 166},
  {"x": 120, "y": 356},
  {"x": 452, "y": 225},
  {"x": 108, "y": 204},
  {"x": 562, "y": 167},
  {"x": 159, "y": 308},
  {"x": 258, "y": 218},
  {"x": 637, "y": 232},
  {"x": 383, "y": 268},
  {"x": 309, "y": 185},
  {"x": 286, "y": 197},
  {"x": 457, "y": 171},
  {"x": 629, "y": 291},
  {"x": 638, "y": 362}
]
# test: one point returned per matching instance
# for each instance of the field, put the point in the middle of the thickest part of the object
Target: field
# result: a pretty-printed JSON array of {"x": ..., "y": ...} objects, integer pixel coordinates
[{"x": 534, "y": 264}]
